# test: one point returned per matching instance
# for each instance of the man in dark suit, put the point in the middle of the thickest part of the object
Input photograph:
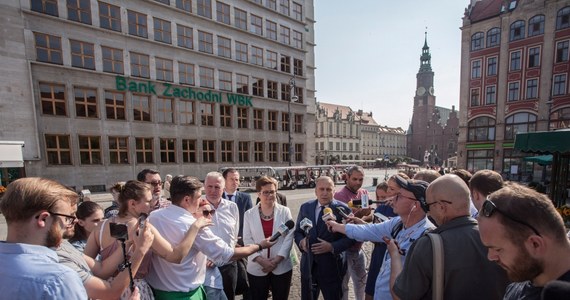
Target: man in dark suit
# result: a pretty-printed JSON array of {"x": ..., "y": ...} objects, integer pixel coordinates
[
  {"x": 243, "y": 201},
  {"x": 323, "y": 264}
]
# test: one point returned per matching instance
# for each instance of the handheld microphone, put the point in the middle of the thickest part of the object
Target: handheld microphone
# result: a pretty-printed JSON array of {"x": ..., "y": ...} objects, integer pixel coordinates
[
  {"x": 282, "y": 230},
  {"x": 142, "y": 222},
  {"x": 306, "y": 225},
  {"x": 359, "y": 203},
  {"x": 328, "y": 214},
  {"x": 342, "y": 212},
  {"x": 364, "y": 199}
]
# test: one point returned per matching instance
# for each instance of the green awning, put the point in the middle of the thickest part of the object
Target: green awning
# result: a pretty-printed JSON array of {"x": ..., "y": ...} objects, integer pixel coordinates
[
  {"x": 544, "y": 142},
  {"x": 543, "y": 160}
]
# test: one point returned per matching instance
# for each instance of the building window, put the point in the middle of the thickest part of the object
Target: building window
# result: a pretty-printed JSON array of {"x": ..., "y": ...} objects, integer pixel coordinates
[
  {"x": 481, "y": 129},
  {"x": 164, "y": 69},
  {"x": 477, "y": 41},
  {"x": 492, "y": 66},
  {"x": 206, "y": 77},
  {"x": 562, "y": 51},
  {"x": 297, "y": 67},
  {"x": 493, "y": 37},
  {"x": 515, "y": 61},
  {"x": 226, "y": 116},
  {"x": 140, "y": 65},
  {"x": 242, "y": 84},
  {"x": 298, "y": 123},
  {"x": 137, "y": 23},
  {"x": 284, "y": 7},
  {"x": 118, "y": 150},
  {"x": 285, "y": 35},
  {"x": 188, "y": 151},
  {"x": 285, "y": 92},
  {"x": 162, "y": 32},
  {"x": 52, "y": 97},
  {"x": 257, "y": 87},
  {"x": 186, "y": 73},
  {"x": 209, "y": 151},
  {"x": 532, "y": 89},
  {"x": 258, "y": 119},
  {"x": 272, "y": 89},
  {"x": 224, "y": 47},
  {"x": 285, "y": 152},
  {"x": 476, "y": 69},
  {"x": 297, "y": 11},
  {"x": 204, "y": 8},
  {"x": 222, "y": 13},
  {"x": 285, "y": 63},
  {"x": 517, "y": 31},
  {"x": 256, "y": 56},
  {"x": 271, "y": 30},
  {"x": 185, "y": 36},
  {"x": 298, "y": 152},
  {"x": 187, "y": 112},
  {"x": 45, "y": 6},
  {"x": 258, "y": 151},
  {"x": 86, "y": 102},
  {"x": 143, "y": 150},
  {"x": 141, "y": 108},
  {"x": 272, "y": 120},
  {"x": 299, "y": 94},
  {"x": 559, "y": 88},
  {"x": 271, "y": 60},
  {"x": 271, "y": 4},
  {"x": 79, "y": 10},
  {"x": 536, "y": 25},
  {"x": 514, "y": 91},
  {"x": 112, "y": 60},
  {"x": 519, "y": 123},
  {"x": 184, "y": 5},
  {"x": 225, "y": 80},
  {"x": 115, "y": 105},
  {"x": 241, "y": 52},
  {"x": 285, "y": 121},
  {"x": 82, "y": 55},
  {"x": 90, "y": 150},
  {"x": 273, "y": 152},
  {"x": 58, "y": 149},
  {"x": 226, "y": 151},
  {"x": 560, "y": 119},
  {"x": 534, "y": 57},
  {"x": 491, "y": 95},
  {"x": 207, "y": 114},
  {"x": 109, "y": 16},
  {"x": 479, "y": 160},
  {"x": 297, "y": 39},
  {"x": 243, "y": 151},
  {"x": 167, "y": 150},
  {"x": 563, "y": 18},
  {"x": 242, "y": 117},
  {"x": 165, "y": 110},
  {"x": 205, "y": 42},
  {"x": 48, "y": 48},
  {"x": 256, "y": 25},
  {"x": 240, "y": 19}
]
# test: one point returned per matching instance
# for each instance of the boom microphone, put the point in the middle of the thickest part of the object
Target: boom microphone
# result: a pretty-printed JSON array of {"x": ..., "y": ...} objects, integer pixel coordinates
[{"x": 282, "y": 230}]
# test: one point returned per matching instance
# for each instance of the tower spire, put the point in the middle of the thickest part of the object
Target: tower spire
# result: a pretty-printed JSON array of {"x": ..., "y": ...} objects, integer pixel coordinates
[{"x": 425, "y": 58}]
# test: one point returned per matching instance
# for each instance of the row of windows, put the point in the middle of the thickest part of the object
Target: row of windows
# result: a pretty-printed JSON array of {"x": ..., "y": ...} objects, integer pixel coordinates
[
  {"x": 484, "y": 159},
  {"x": 110, "y": 18},
  {"x": 351, "y": 146},
  {"x": 170, "y": 150},
  {"x": 49, "y": 49},
  {"x": 143, "y": 108},
  {"x": 517, "y": 30}
]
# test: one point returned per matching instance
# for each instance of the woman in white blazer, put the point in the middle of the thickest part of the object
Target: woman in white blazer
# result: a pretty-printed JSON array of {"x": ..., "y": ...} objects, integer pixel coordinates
[{"x": 270, "y": 267}]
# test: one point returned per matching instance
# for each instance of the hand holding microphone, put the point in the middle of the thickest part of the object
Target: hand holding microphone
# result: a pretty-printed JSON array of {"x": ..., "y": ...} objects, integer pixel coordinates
[
  {"x": 282, "y": 230},
  {"x": 328, "y": 215}
]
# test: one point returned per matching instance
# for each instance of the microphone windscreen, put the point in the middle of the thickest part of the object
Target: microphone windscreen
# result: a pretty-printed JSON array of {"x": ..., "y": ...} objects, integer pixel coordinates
[
  {"x": 290, "y": 224},
  {"x": 327, "y": 210}
]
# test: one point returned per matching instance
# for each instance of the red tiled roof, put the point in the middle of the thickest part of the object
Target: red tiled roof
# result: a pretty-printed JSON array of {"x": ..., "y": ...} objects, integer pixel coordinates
[
  {"x": 486, "y": 9},
  {"x": 330, "y": 109}
]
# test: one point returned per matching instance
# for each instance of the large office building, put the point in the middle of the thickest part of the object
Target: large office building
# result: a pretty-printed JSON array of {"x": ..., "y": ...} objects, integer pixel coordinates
[
  {"x": 99, "y": 90},
  {"x": 514, "y": 79}
]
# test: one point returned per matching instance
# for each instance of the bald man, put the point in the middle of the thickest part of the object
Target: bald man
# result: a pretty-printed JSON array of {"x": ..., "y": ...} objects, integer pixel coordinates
[{"x": 467, "y": 271}]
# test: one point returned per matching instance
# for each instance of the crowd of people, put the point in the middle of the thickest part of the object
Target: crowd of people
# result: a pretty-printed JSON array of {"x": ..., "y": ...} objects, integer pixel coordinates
[{"x": 451, "y": 236}]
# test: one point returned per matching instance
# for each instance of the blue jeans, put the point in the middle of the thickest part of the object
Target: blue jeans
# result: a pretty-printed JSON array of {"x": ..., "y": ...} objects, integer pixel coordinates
[{"x": 215, "y": 294}]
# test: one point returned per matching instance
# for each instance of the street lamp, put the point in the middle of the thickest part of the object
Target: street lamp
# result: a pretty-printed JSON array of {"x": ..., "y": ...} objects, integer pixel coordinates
[{"x": 292, "y": 97}]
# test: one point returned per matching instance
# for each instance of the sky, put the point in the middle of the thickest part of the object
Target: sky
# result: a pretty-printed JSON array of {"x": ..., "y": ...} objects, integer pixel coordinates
[{"x": 368, "y": 54}]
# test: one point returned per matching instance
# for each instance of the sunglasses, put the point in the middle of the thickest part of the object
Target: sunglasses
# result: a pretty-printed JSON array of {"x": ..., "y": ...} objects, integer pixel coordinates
[
  {"x": 489, "y": 208},
  {"x": 207, "y": 213},
  {"x": 155, "y": 183}
]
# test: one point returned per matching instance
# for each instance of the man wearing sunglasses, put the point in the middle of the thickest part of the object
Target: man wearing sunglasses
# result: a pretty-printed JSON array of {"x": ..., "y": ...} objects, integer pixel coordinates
[
  {"x": 467, "y": 274},
  {"x": 37, "y": 213},
  {"x": 152, "y": 177},
  {"x": 525, "y": 235}
]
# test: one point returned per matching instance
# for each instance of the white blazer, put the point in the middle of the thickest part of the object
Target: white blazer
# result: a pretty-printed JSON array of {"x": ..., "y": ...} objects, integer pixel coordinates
[{"x": 253, "y": 233}]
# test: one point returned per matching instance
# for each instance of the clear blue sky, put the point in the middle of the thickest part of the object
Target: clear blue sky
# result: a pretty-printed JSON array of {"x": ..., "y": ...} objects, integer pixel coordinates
[{"x": 368, "y": 53}]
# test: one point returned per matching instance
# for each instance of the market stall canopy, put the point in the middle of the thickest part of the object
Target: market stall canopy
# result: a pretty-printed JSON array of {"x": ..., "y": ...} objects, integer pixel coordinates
[
  {"x": 543, "y": 160},
  {"x": 11, "y": 154},
  {"x": 544, "y": 142}
]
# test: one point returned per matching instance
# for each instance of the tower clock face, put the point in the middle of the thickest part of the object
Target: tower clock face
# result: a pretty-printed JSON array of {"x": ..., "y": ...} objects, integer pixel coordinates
[
  {"x": 431, "y": 91},
  {"x": 421, "y": 91}
]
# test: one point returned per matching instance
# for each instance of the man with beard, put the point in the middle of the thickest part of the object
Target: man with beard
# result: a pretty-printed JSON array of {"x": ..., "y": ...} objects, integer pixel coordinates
[
  {"x": 152, "y": 177},
  {"x": 525, "y": 235},
  {"x": 37, "y": 212}
]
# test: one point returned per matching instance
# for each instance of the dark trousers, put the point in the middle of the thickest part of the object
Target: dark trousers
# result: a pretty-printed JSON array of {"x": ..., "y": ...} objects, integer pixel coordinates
[
  {"x": 229, "y": 278},
  {"x": 242, "y": 287},
  {"x": 325, "y": 280},
  {"x": 280, "y": 285}
]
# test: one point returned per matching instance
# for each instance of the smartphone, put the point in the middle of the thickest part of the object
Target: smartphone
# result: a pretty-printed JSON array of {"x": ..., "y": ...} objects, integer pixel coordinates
[
  {"x": 142, "y": 222},
  {"x": 381, "y": 217},
  {"x": 119, "y": 231}
]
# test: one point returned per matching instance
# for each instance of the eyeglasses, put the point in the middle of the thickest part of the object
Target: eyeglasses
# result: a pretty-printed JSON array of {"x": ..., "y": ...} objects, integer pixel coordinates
[
  {"x": 489, "y": 208},
  {"x": 400, "y": 194},
  {"x": 268, "y": 193},
  {"x": 68, "y": 219},
  {"x": 155, "y": 183},
  {"x": 439, "y": 201},
  {"x": 207, "y": 213}
]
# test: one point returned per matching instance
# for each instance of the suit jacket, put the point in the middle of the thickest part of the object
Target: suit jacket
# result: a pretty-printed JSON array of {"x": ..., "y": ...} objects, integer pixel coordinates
[
  {"x": 243, "y": 201},
  {"x": 339, "y": 241},
  {"x": 253, "y": 233}
]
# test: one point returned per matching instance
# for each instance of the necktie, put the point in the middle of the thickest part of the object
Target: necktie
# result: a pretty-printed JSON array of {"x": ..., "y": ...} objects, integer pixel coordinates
[
  {"x": 320, "y": 217},
  {"x": 230, "y": 197}
]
